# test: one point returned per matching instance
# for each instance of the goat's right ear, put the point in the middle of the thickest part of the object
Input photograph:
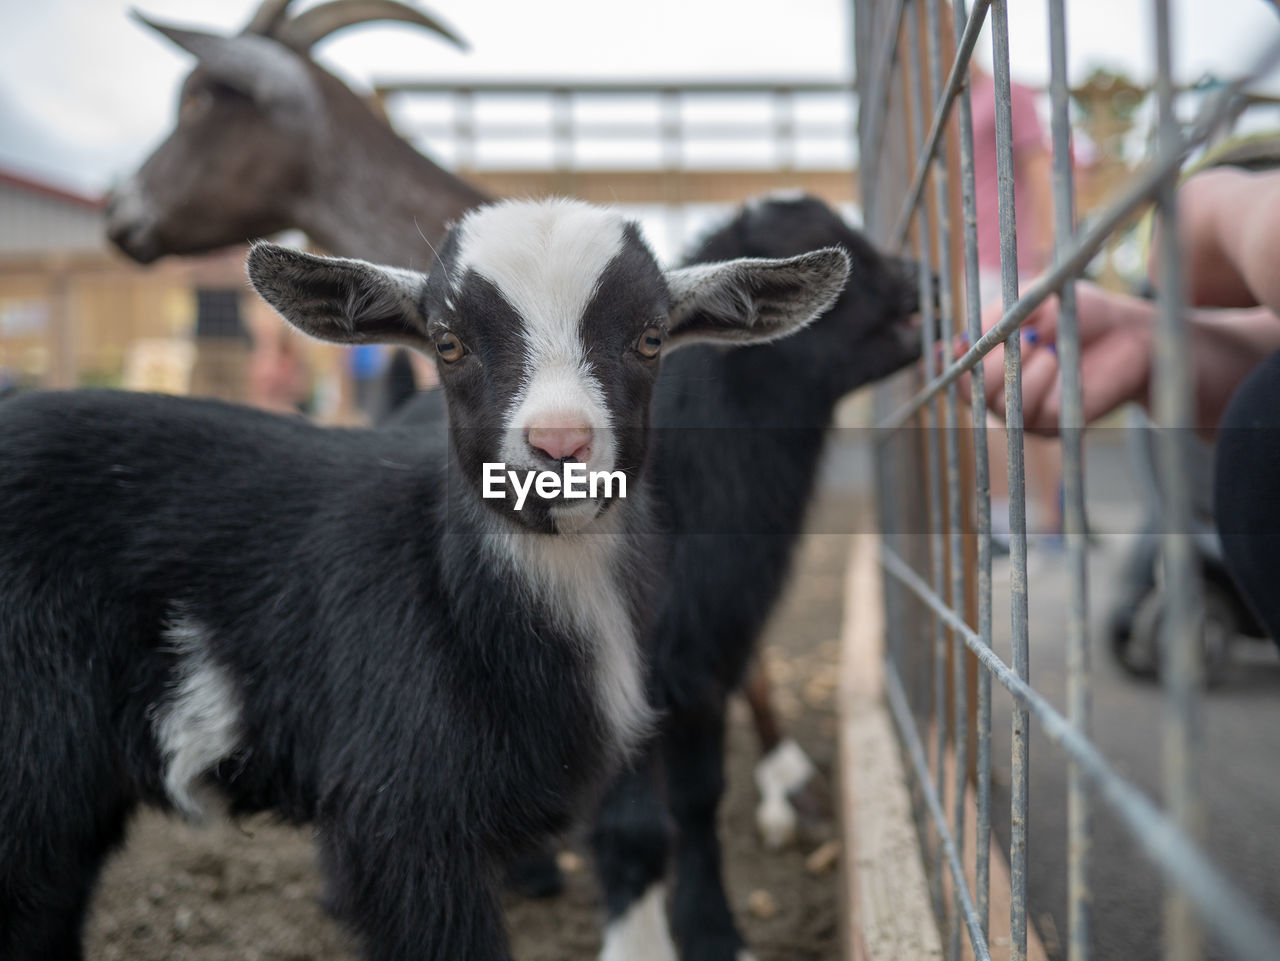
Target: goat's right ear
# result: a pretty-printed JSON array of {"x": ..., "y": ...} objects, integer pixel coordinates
[{"x": 340, "y": 300}]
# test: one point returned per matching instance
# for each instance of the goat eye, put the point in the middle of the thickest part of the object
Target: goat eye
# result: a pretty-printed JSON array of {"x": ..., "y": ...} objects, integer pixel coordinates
[
  {"x": 650, "y": 342},
  {"x": 449, "y": 348},
  {"x": 195, "y": 101}
]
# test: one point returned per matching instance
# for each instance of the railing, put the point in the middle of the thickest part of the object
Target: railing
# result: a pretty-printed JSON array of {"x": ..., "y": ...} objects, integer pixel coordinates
[
  {"x": 666, "y": 141},
  {"x": 916, "y": 133}
]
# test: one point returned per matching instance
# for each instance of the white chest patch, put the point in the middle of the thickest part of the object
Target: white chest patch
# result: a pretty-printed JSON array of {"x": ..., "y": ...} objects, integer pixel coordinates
[
  {"x": 575, "y": 575},
  {"x": 199, "y": 725}
]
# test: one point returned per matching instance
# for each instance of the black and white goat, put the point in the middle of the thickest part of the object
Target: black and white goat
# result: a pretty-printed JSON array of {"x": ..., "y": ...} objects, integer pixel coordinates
[
  {"x": 337, "y": 625},
  {"x": 739, "y": 437}
]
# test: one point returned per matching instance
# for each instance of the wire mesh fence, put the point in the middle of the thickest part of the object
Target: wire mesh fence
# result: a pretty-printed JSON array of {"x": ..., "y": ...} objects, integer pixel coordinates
[{"x": 916, "y": 130}]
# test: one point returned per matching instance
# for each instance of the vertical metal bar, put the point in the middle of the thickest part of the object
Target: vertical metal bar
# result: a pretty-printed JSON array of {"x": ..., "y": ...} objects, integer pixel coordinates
[
  {"x": 925, "y": 247},
  {"x": 877, "y": 106},
  {"x": 891, "y": 516},
  {"x": 888, "y": 502},
  {"x": 562, "y": 133},
  {"x": 1181, "y": 666},
  {"x": 1079, "y": 830},
  {"x": 870, "y": 148},
  {"x": 982, "y": 485},
  {"x": 861, "y": 27},
  {"x": 1017, "y": 489},
  {"x": 464, "y": 129},
  {"x": 951, "y": 456},
  {"x": 784, "y": 128}
]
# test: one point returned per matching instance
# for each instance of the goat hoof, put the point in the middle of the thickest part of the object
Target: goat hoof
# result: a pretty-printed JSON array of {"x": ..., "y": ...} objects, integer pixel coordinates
[
  {"x": 776, "y": 822},
  {"x": 783, "y": 777}
]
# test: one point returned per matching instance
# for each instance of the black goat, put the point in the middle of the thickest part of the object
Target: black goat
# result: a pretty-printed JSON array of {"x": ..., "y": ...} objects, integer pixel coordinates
[{"x": 738, "y": 441}]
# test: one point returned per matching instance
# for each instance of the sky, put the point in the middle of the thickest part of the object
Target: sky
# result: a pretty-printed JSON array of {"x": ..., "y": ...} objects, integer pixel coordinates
[{"x": 86, "y": 92}]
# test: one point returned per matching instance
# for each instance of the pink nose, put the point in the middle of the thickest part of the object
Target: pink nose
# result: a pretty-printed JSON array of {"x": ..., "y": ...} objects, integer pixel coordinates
[{"x": 561, "y": 438}]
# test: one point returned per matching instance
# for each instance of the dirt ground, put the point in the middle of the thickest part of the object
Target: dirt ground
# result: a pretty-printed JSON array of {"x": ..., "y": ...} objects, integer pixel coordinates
[{"x": 249, "y": 891}]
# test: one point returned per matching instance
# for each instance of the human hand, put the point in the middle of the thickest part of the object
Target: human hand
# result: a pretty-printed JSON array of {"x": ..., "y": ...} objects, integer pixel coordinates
[{"x": 1115, "y": 358}]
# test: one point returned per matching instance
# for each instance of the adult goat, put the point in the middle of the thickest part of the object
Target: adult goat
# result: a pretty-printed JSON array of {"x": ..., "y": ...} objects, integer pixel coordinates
[{"x": 266, "y": 140}]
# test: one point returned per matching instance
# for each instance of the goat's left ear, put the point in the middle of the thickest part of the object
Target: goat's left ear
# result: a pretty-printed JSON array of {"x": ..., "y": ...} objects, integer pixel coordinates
[
  {"x": 340, "y": 300},
  {"x": 263, "y": 69},
  {"x": 750, "y": 301}
]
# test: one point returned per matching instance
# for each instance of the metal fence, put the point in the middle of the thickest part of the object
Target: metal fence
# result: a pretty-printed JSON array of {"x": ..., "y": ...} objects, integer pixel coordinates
[{"x": 918, "y": 181}]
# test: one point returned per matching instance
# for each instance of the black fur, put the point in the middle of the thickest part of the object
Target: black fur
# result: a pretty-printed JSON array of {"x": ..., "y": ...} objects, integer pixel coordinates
[
  {"x": 313, "y": 561},
  {"x": 391, "y": 679},
  {"x": 738, "y": 440}
]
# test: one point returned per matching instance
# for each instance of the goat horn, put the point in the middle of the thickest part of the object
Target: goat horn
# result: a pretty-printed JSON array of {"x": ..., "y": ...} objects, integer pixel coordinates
[
  {"x": 316, "y": 23},
  {"x": 267, "y": 20}
]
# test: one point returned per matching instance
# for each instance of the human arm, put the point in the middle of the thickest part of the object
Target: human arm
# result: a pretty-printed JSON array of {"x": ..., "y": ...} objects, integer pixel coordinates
[
  {"x": 1035, "y": 175},
  {"x": 1117, "y": 334},
  {"x": 1229, "y": 229}
]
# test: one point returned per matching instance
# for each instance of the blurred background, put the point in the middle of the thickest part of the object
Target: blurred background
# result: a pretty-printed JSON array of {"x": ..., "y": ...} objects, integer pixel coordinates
[{"x": 674, "y": 111}]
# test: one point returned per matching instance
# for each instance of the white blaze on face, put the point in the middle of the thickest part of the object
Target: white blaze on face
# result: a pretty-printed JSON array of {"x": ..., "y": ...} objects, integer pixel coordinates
[
  {"x": 546, "y": 258},
  {"x": 131, "y": 216},
  {"x": 129, "y": 202}
]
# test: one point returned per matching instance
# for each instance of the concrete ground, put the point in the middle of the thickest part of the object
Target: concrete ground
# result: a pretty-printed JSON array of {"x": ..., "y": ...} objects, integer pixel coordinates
[{"x": 1241, "y": 761}]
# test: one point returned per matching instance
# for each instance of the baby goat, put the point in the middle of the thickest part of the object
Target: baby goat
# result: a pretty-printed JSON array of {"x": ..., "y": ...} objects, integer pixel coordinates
[{"x": 337, "y": 625}]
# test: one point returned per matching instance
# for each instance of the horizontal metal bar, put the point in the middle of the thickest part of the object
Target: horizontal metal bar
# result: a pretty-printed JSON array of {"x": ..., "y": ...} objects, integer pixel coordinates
[
  {"x": 665, "y": 85},
  {"x": 1240, "y": 928},
  {"x": 901, "y": 711},
  {"x": 1221, "y": 108},
  {"x": 637, "y": 130},
  {"x": 955, "y": 81}
]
